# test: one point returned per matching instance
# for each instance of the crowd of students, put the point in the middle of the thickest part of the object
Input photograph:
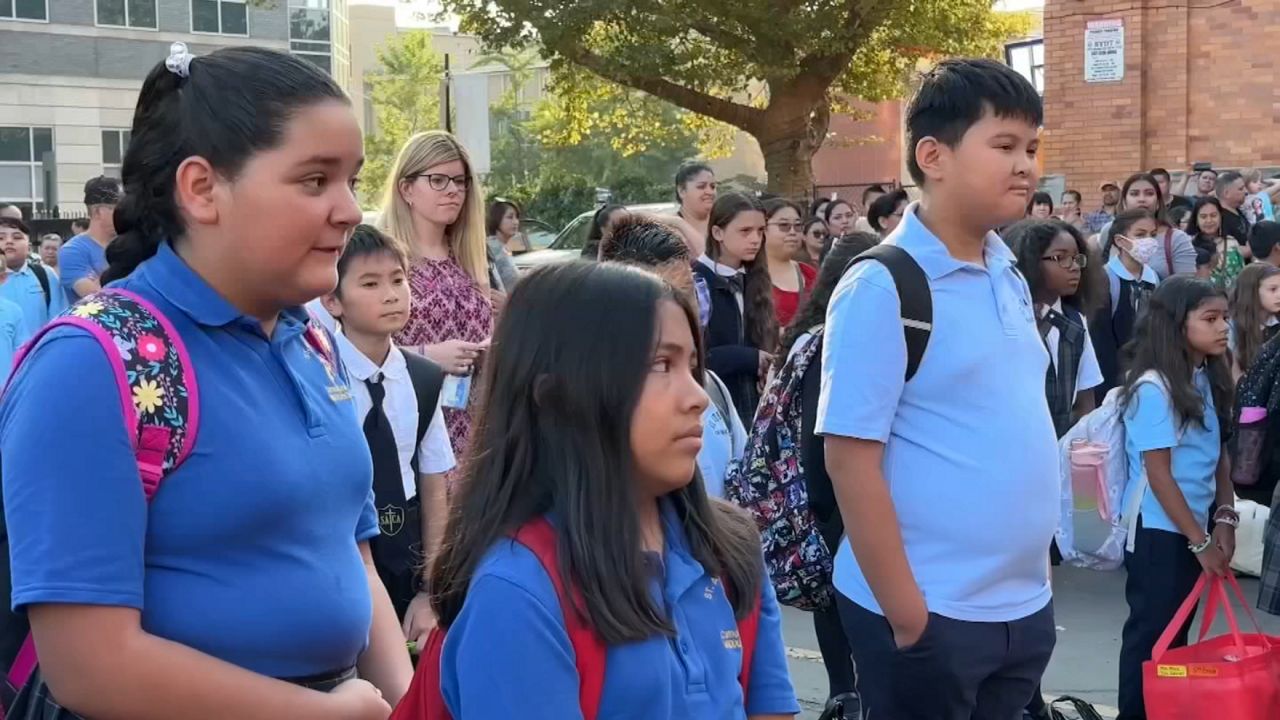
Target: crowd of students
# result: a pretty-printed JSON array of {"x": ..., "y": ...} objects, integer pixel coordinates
[{"x": 397, "y": 434}]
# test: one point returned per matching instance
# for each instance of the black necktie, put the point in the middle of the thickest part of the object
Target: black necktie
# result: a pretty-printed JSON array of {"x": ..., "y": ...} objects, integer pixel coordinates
[{"x": 388, "y": 486}]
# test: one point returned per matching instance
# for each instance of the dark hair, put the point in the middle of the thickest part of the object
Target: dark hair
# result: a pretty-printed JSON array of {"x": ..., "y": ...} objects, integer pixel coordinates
[
  {"x": 1149, "y": 179},
  {"x": 101, "y": 190},
  {"x": 1226, "y": 179},
  {"x": 1160, "y": 344},
  {"x": 572, "y": 351},
  {"x": 872, "y": 188},
  {"x": 636, "y": 241},
  {"x": 498, "y": 211},
  {"x": 687, "y": 172},
  {"x": 954, "y": 96},
  {"x": 775, "y": 205},
  {"x": 1160, "y": 173},
  {"x": 236, "y": 102},
  {"x": 367, "y": 240},
  {"x": 1193, "y": 226},
  {"x": 1121, "y": 224},
  {"x": 1075, "y": 194},
  {"x": 1030, "y": 239},
  {"x": 759, "y": 321},
  {"x": 884, "y": 206},
  {"x": 1206, "y": 253},
  {"x": 1040, "y": 198},
  {"x": 592, "y": 249},
  {"x": 831, "y": 208},
  {"x": 818, "y": 205},
  {"x": 16, "y": 224},
  {"x": 1263, "y": 238},
  {"x": 81, "y": 223},
  {"x": 1176, "y": 214},
  {"x": 814, "y": 220},
  {"x": 1247, "y": 314},
  {"x": 834, "y": 265}
]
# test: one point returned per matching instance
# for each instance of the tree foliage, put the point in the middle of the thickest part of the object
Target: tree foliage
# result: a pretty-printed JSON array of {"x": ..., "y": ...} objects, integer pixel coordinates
[
  {"x": 405, "y": 92},
  {"x": 774, "y": 68}
]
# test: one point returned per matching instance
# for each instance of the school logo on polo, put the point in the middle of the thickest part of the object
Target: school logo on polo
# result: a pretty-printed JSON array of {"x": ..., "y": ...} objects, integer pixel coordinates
[{"x": 390, "y": 520}]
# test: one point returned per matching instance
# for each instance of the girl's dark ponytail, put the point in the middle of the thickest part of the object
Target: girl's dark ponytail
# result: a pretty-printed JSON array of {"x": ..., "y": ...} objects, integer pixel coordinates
[
  {"x": 229, "y": 105},
  {"x": 146, "y": 213}
]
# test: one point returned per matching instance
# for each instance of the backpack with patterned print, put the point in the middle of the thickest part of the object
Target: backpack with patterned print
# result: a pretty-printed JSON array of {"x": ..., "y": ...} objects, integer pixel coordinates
[{"x": 158, "y": 398}]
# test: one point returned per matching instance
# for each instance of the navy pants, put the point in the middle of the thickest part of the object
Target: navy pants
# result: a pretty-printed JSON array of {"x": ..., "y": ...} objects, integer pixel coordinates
[
  {"x": 957, "y": 671},
  {"x": 1162, "y": 572}
]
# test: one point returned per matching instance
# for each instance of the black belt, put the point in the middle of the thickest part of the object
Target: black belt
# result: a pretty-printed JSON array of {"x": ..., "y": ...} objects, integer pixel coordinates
[{"x": 324, "y": 682}]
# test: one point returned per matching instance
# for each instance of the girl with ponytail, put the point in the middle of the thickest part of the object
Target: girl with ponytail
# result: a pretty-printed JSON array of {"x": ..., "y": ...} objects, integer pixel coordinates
[{"x": 245, "y": 588}]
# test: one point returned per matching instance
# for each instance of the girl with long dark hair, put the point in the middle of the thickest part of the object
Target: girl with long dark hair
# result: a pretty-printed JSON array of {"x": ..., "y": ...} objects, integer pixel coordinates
[
  {"x": 502, "y": 240},
  {"x": 1176, "y": 396},
  {"x": 782, "y": 240},
  {"x": 591, "y": 421},
  {"x": 1129, "y": 245},
  {"x": 245, "y": 588},
  {"x": 1054, "y": 258},
  {"x": 1205, "y": 228},
  {"x": 1175, "y": 254},
  {"x": 813, "y": 242},
  {"x": 743, "y": 331}
]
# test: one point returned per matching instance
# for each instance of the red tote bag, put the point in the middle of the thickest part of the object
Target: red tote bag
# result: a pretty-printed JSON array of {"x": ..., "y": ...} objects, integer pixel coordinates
[{"x": 1231, "y": 677}]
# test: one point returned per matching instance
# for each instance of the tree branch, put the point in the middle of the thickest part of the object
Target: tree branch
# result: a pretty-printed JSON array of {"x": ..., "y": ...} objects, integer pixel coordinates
[{"x": 726, "y": 111}]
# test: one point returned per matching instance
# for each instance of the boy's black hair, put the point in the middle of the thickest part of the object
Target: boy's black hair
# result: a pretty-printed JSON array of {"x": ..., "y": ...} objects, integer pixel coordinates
[
  {"x": 1263, "y": 239},
  {"x": 955, "y": 95},
  {"x": 637, "y": 241},
  {"x": 368, "y": 240},
  {"x": 1206, "y": 254},
  {"x": 1160, "y": 172},
  {"x": 872, "y": 188},
  {"x": 16, "y": 224}
]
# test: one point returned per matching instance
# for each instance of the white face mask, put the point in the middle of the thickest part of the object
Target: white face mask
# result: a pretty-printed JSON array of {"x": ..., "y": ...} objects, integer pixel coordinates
[{"x": 1143, "y": 248}]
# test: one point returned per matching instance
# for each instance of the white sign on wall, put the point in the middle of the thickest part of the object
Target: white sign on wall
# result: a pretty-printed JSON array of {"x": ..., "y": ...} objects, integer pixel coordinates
[{"x": 1104, "y": 51}]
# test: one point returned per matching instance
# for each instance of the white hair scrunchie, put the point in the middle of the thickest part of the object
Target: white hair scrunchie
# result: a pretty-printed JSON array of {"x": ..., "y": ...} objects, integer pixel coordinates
[{"x": 179, "y": 60}]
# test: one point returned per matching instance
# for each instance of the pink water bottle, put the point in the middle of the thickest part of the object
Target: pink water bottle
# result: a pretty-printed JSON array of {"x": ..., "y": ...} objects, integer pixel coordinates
[{"x": 1088, "y": 476}]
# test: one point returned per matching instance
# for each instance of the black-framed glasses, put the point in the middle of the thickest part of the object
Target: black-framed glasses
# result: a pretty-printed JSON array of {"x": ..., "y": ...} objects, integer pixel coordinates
[
  {"x": 440, "y": 181},
  {"x": 788, "y": 228},
  {"x": 818, "y": 234},
  {"x": 1066, "y": 262}
]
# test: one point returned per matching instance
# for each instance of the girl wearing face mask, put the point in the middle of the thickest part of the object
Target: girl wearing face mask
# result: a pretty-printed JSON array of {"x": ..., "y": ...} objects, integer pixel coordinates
[
  {"x": 1206, "y": 229},
  {"x": 1130, "y": 244}
]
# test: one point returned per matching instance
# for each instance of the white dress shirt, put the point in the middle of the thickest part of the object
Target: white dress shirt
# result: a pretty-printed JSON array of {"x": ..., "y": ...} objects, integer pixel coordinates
[{"x": 435, "y": 454}]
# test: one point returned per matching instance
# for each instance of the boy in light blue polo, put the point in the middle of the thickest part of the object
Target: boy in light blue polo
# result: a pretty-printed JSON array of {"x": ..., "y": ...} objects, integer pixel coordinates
[
  {"x": 948, "y": 484},
  {"x": 28, "y": 284}
]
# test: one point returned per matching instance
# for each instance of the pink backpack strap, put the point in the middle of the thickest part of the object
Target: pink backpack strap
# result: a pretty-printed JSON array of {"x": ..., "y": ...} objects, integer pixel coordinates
[{"x": 159, "y": 398}]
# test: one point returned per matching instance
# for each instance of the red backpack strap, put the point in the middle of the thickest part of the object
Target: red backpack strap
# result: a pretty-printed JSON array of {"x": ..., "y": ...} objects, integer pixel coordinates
[
  {"x": 159, "y": 399},
  {"x": 589, "y": 652},
  {"x": 748, "y": 633}
]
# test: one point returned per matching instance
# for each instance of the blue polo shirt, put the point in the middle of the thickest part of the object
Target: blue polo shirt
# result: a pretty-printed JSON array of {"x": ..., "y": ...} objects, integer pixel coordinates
[
  {"x": 248, "y": 552},
  {"x": 82, "y": 257},
  {"x": 971, "y": 457},
  {"x": 14, "y": 331},
  {"x": 1151, "y": 424},
  {"x": 23, "y": 287},
  {"x": 508, "y": 655}
]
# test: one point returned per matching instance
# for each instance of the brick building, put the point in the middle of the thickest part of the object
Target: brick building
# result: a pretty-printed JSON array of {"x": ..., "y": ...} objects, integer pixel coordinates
[{"x": 1198, "y": 85}]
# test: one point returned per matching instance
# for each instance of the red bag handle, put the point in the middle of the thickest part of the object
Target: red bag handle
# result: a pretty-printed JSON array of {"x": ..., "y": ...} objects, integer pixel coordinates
[
  {"x": 1207, "y": 585},
  {"x": 1211, "y": 607}
]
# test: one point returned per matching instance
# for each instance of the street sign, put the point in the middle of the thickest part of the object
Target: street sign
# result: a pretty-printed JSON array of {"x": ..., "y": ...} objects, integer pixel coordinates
[{"x": 1104, "y": 51}]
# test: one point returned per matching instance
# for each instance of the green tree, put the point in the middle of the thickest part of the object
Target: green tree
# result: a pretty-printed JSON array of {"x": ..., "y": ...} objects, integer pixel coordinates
[
  {"x": 406, "y": 100},
  {"x": 774, "y": 68}
]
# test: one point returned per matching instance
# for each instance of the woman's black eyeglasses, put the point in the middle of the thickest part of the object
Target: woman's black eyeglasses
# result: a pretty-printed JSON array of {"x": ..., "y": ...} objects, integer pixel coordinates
[{"x": 440, "y": 181}]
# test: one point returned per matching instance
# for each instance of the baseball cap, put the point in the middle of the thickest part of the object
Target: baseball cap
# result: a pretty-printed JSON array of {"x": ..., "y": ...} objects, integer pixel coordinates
[
  {"x": 15, "y": 224},
  {"x": 1109, "y": 183},
  {"x": 102, "y": 190}
]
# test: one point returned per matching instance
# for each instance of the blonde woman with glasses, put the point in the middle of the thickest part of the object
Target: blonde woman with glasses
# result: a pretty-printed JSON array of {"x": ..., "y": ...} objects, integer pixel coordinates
[{"x": 435, "y": 207}]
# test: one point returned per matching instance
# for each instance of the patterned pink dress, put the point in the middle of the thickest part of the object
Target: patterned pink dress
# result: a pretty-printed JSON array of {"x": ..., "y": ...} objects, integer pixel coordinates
[{"x": 447, "y": 305}]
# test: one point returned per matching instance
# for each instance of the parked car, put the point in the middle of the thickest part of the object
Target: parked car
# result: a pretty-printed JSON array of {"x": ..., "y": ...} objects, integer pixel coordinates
[{"x": 569, "y": 243}]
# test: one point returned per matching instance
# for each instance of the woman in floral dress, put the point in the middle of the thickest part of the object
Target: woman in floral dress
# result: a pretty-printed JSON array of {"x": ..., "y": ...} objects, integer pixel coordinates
[{"x": 434, "y": 207}]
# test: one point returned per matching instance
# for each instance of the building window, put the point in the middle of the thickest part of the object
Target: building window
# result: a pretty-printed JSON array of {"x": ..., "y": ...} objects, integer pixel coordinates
[
  {"x": 127, "y": 13},
  {"x": 23, "y": 151},
  {"x": 24, "y": 10},
  {"x": 224, "y": 17},
  {"x": 1028, "y": 59},
  {"x": 310, "y": 32},
  {"x": 114, "y": 145}
]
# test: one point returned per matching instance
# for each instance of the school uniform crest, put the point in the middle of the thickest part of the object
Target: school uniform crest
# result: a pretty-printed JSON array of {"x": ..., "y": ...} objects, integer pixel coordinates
[{"x": 390, "y": 520}]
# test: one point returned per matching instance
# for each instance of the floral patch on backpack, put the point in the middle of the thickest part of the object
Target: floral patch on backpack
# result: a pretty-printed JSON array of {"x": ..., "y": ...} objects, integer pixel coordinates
[{"x": 769, "y": 482}]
